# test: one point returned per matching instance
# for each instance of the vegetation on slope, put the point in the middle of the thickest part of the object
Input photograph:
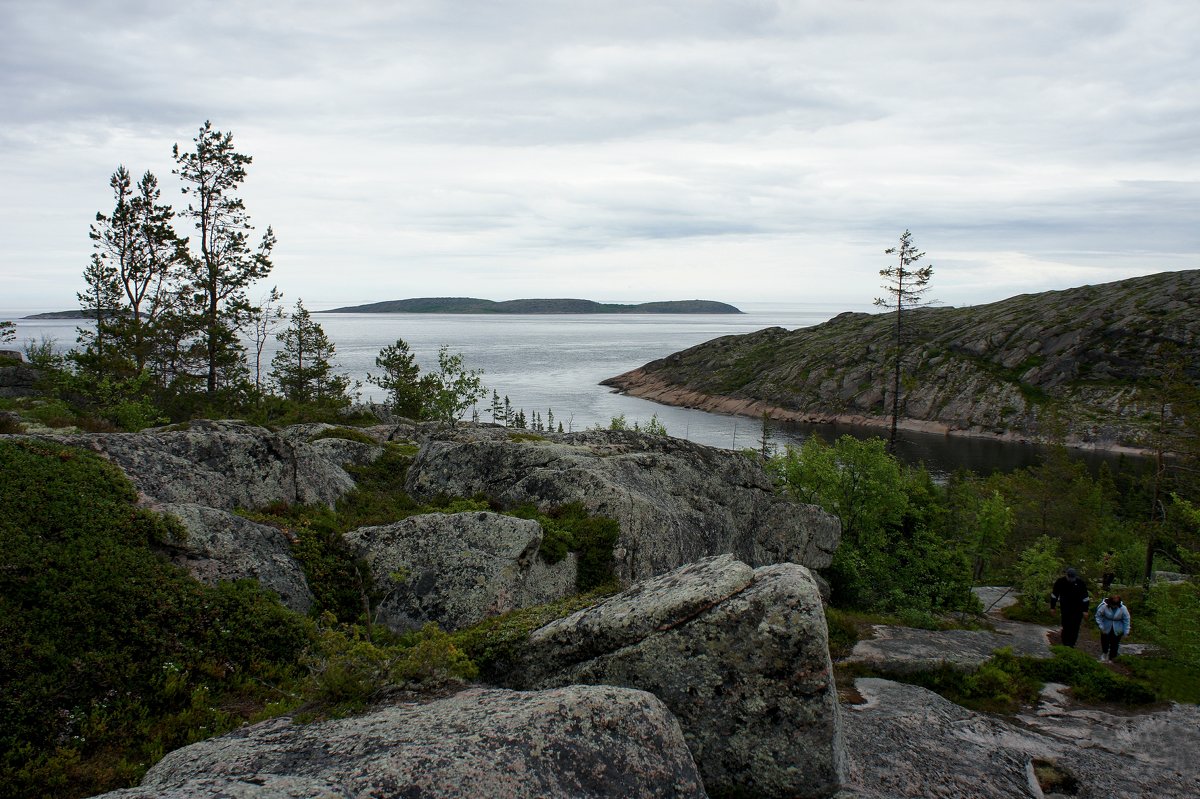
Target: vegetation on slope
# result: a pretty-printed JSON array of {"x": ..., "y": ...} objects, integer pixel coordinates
[{"x": 111, "y": 655}]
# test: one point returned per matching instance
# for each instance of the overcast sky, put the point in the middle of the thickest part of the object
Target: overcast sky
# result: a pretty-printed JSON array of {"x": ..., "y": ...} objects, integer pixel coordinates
[{"x": 740, "y": 151}]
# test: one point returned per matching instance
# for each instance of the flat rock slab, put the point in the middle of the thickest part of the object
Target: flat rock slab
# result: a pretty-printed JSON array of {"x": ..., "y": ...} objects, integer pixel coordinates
[
  {"x": 577, "y": 742},
  {"x": 904, "y": 649},
  {"x": 905, "y": 741}
]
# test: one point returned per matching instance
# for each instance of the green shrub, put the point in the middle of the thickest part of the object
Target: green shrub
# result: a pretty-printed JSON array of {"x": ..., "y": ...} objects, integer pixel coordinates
[
  {"x": 111, "y": 655},
  {"x": 1005, "y": 681},
  {"x": 348, "y": 670},
  {"x": 570, "y": 528},
  {"x": 891, "y": 556},
  {"x": 1089, "y": 680}
]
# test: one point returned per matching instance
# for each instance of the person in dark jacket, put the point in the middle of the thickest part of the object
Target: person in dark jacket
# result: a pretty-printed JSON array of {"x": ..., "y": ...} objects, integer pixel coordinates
[{"x": 1071, "y": 594}]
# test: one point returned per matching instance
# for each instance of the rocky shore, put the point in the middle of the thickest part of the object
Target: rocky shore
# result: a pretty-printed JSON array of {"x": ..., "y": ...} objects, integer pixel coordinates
[{"x": 646, "y": 384}]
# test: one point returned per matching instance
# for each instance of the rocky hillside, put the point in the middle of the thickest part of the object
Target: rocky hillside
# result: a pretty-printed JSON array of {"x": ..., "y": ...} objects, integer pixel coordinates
[{"x": 1091, "y": 358}]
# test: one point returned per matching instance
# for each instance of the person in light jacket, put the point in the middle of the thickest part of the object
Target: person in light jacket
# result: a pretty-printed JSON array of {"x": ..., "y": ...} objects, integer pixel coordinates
[{"x": 1112, "y": 617}]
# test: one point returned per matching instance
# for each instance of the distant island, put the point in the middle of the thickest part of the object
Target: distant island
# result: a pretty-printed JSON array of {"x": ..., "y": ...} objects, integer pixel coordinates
[
  {"x": 468, "y": 305},
  {"x": 72, "y": 314}
]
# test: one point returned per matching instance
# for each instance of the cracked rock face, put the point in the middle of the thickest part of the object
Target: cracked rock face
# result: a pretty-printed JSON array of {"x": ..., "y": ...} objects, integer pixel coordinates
[
  {"x": 906, "y": 741},
  {"x": 739, "y": 655},
  {"x": 458, "y": 569},
  {"x": 676, "y": 502},
  {"x": 577, "y": 742},
  {"x": 219, "y": 464}
]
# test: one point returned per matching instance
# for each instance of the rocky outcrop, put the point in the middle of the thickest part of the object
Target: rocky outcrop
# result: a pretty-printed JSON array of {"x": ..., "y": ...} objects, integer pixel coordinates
[
  {"x": 219, "y": 464},
  {"x": 572, "y": 743},
  {"x": 676, "y": 501},
  {"x": 19, "y": 380},
  {"x": 219, "y": 545},
  {"x": 904, "y": 741},
  {"x": 1093, "y": 355},
  {"x": 458, "y": 569},
  {"x": 739, "y": 655}
]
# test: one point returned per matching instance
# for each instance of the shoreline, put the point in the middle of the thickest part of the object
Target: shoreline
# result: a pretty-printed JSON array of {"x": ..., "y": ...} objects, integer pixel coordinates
[{"x": 638, "y": 383}]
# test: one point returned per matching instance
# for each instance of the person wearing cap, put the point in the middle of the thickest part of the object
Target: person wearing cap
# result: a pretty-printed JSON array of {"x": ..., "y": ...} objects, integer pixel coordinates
[
  {"x": 1112, "y": 617},
  {"x": 1071, "y": 594}
]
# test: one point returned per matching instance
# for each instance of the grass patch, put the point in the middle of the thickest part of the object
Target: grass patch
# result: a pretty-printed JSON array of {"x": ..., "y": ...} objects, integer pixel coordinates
[
  {"x": 1172, "y": 680},
  {"x": 346, "y": 434},
  {"x": 844, "y": 631},
  {"x": 1006, "y": 682}
]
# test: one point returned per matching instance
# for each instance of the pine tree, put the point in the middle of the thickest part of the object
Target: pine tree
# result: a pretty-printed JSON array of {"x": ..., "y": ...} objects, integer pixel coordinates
[
  {"x": 303, "y": 369},
  {"x": 224, "y": 265},
  {"x": 497, "y": 409},
  {"x": 401, "y": 379},
  {"x": 906, "y": 285}
]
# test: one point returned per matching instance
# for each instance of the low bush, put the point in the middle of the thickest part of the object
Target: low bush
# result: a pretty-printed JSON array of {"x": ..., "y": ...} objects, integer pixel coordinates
[
  {"x": 1005, "y": 682},
  {"x": 349, "y": 670},
  {"x": 347, "y": 434},
  {"x": 570, "y": 528},
  {"x": 111, "y": 655}
]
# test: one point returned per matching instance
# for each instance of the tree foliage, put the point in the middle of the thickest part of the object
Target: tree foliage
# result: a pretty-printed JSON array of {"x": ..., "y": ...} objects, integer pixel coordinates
[
  {"x": 224, "y": 264},
  {"x": 401, "y": 379},
  {"x": 906, "y": 285},
  {"x": 452, "y": 389},
  {"x": 131, "y": 281},
  {"x": 893, "y": 555},
  {"x": 303, "y": 367}
]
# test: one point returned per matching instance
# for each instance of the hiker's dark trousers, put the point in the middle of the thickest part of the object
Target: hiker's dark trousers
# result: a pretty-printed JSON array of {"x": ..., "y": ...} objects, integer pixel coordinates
[
  {"x": 1070, "y": 627},
  {"x": 1109, "y": 644}
]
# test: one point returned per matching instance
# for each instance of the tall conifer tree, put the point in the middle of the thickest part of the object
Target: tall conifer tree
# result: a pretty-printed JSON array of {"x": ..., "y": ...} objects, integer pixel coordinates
[
  {"x": 223, "y": 264},
  {"x": 905, "y": 284}
]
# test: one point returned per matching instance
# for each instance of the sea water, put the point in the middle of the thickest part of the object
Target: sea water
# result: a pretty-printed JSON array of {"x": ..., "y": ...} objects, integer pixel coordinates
[{"x": 554, "y": 363}]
